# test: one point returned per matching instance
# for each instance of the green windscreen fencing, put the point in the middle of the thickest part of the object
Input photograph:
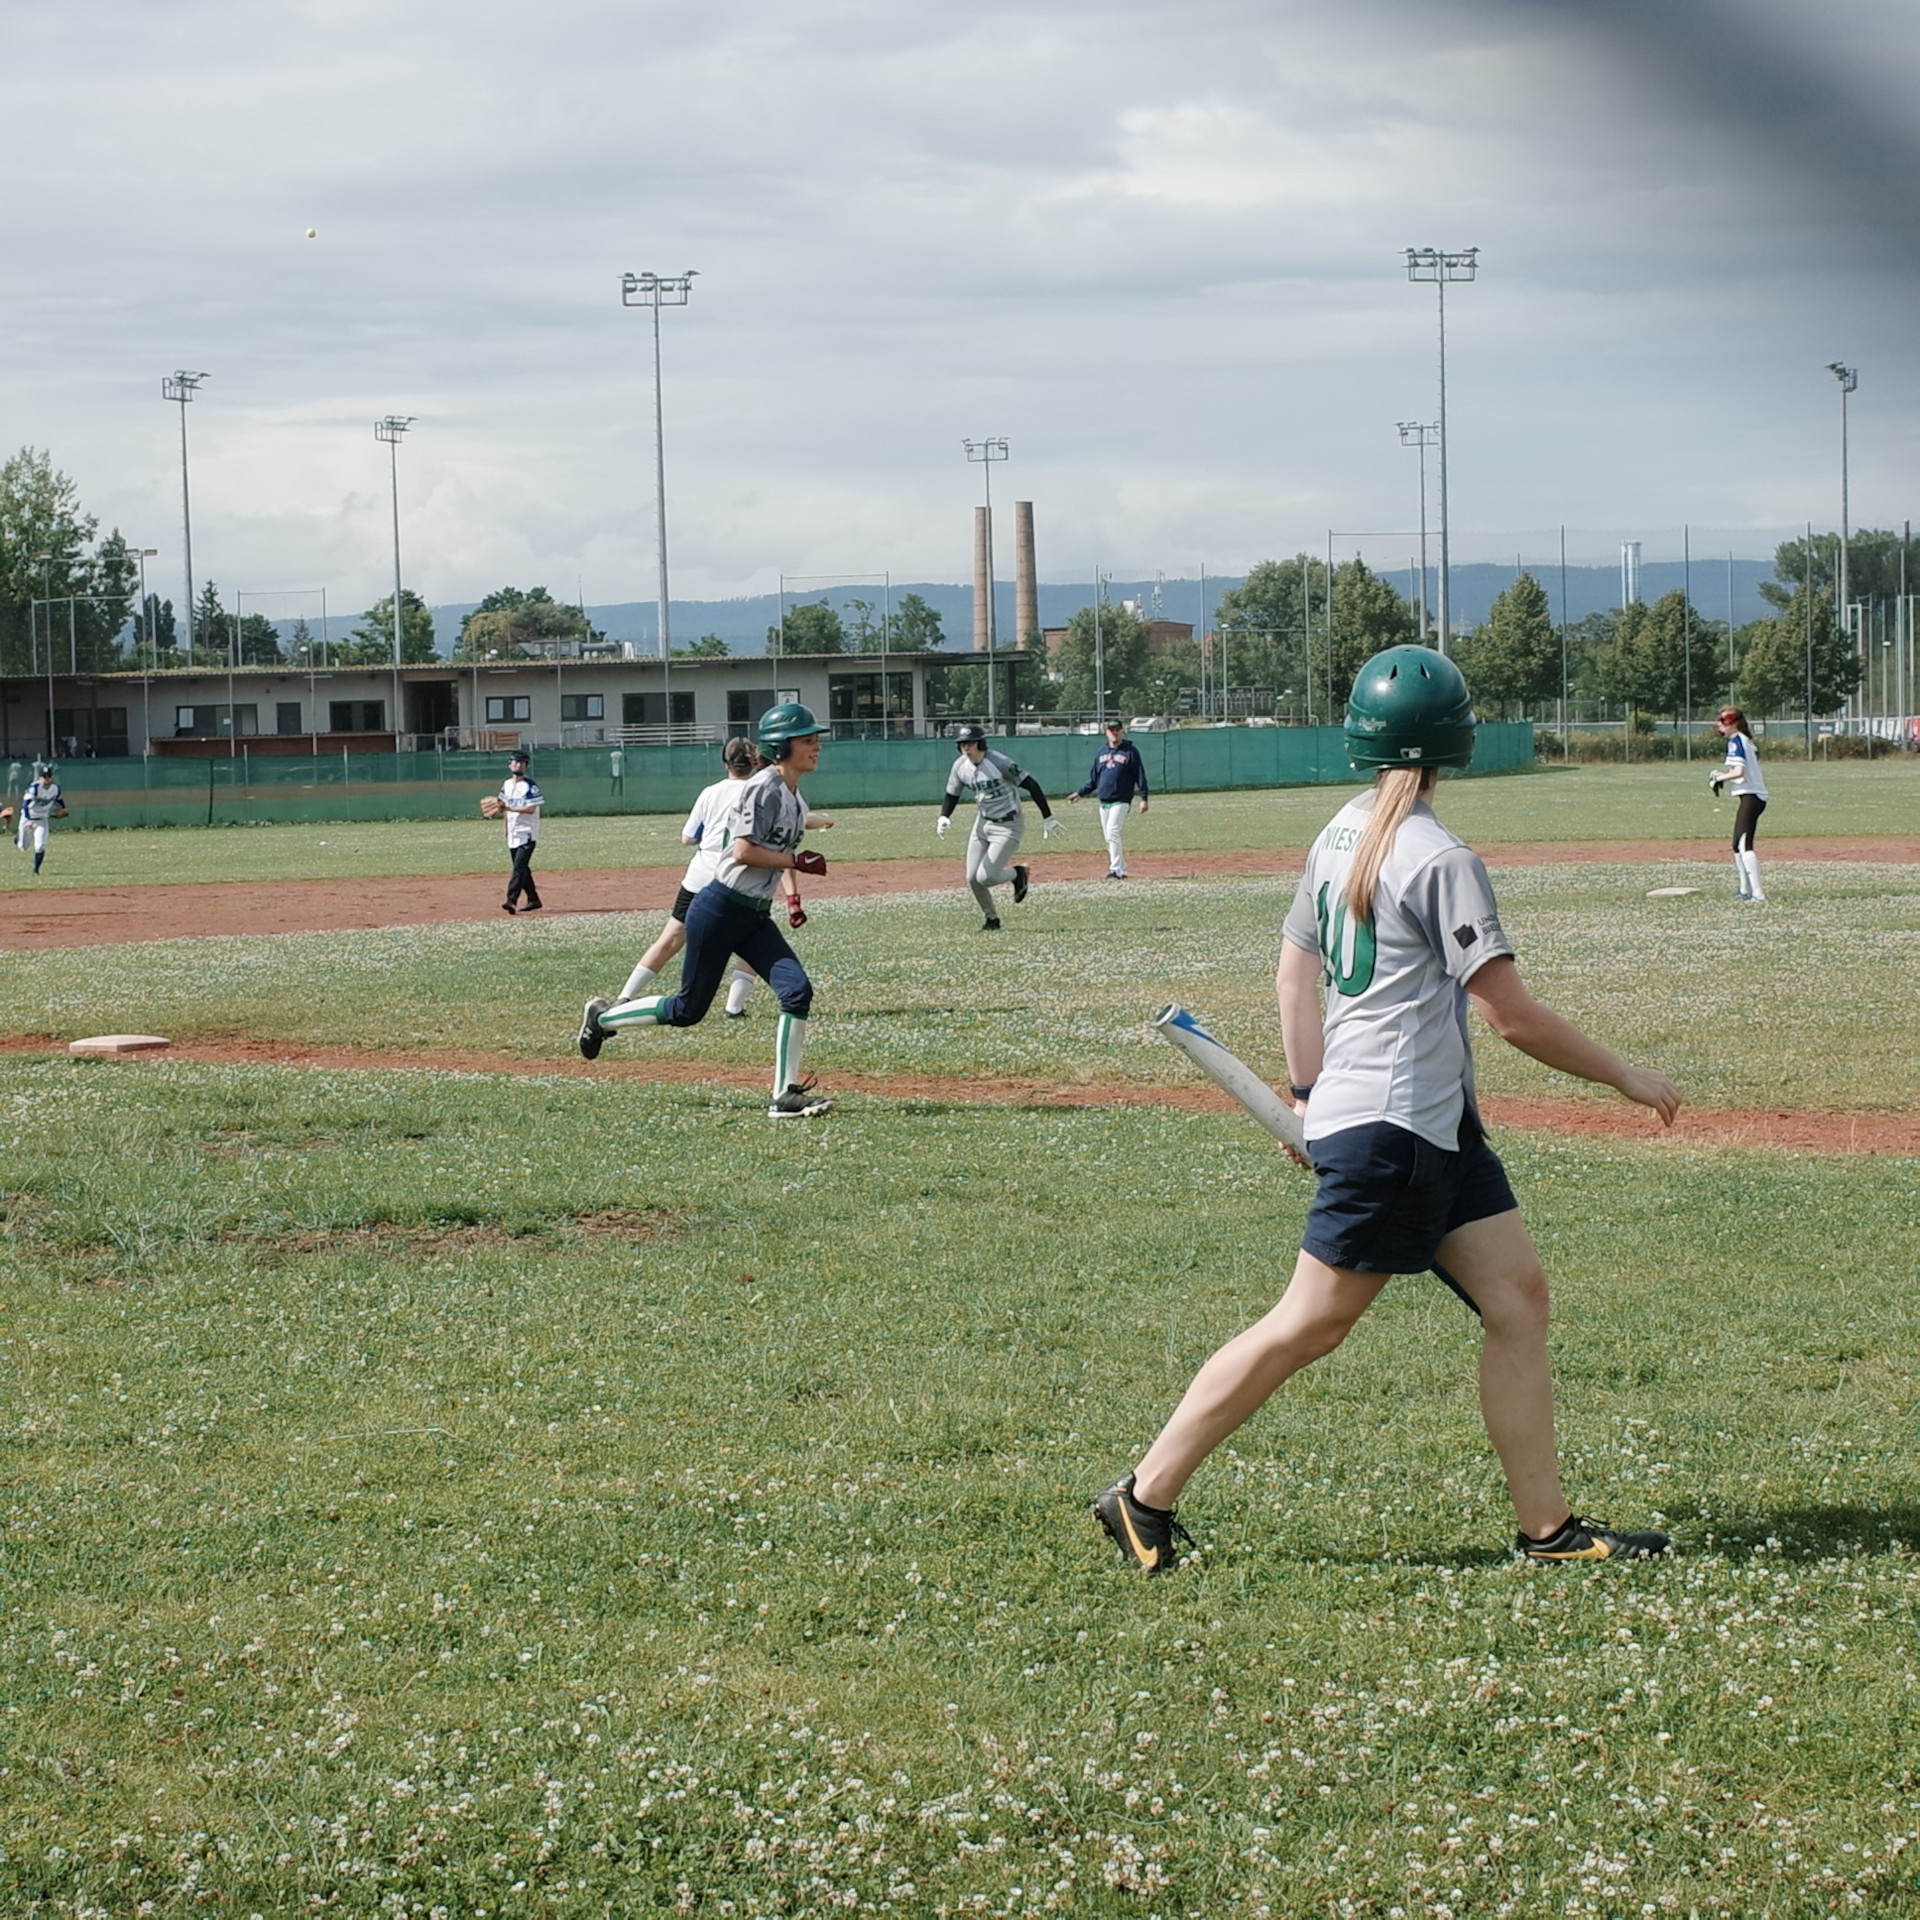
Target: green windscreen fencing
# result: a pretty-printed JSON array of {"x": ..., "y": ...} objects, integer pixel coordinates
[{"x": 250, "y": 788}]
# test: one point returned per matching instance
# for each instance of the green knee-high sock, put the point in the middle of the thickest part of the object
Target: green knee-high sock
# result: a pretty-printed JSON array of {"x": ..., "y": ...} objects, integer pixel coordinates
[
  {"x": 650, "y": 1012},
  {"x": 789, "y": 1046}
]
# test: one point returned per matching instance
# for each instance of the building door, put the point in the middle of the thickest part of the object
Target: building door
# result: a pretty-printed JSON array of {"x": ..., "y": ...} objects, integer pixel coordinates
[{"x": 432, "y": 706}]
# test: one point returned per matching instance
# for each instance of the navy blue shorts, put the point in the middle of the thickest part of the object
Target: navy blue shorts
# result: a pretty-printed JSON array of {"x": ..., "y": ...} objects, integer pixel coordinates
[{"x": 1387, "y": 1198}]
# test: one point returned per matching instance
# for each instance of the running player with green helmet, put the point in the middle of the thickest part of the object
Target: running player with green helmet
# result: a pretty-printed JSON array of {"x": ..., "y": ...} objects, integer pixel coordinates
[
  {"x": 732, "y": 914},
  {"x": 1392, "y": 932}
]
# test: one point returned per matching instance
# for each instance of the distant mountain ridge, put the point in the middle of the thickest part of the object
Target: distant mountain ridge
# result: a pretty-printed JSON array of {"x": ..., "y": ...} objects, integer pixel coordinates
[{"x": 743, "y": 622}]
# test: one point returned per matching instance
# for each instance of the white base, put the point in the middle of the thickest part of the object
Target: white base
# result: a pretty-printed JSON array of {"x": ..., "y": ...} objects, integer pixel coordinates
[{"x": 120, "y": 1043}]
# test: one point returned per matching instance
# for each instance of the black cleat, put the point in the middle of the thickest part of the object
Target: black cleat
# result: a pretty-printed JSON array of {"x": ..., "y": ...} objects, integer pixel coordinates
[
  {"x": 989, "y": 925},
  {"x": 1589, "y": 1540},
  {"x": 799, "y": 1102},
  {"x": 507, "y": 906},
  {"x": 1021, "y": 882},
  {"x": 1144, "y": 1535},
  {"x": 593, "y": 1036},
  {"x": 741, "y": 1015}
]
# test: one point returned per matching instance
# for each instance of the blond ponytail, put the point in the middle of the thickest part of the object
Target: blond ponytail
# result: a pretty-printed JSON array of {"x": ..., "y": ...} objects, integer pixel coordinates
[{"x": 1396, "y": 789}]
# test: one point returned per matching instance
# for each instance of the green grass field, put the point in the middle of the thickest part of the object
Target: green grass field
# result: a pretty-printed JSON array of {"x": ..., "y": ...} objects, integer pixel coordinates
[
  {"x": 1546, "y": 804},
  {"x": 488, "y": 1495}
]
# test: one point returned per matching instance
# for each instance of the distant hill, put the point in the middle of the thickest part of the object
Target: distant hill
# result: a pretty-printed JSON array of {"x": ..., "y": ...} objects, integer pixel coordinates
[{"x": 743, "y": 623}]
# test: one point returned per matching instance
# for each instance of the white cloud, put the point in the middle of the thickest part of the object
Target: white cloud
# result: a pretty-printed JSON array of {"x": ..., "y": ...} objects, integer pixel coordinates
[{"x": 1157, "y": 246}]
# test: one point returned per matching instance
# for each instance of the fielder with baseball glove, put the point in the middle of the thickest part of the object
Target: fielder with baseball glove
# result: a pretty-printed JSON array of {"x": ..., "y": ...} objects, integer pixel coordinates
[{"x": 40, "y": 806}]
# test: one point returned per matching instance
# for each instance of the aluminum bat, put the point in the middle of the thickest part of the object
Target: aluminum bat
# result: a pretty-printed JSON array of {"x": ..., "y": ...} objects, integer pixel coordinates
[{"x": 1174, "y": 1023}]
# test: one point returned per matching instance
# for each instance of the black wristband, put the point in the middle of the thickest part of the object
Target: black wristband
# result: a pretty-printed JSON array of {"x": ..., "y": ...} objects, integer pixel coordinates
[{"x": 1300, "y": 1093}]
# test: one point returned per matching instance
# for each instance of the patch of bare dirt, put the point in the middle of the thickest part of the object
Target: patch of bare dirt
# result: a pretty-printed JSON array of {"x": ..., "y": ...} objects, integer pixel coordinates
[
  {"x": 429, "y": 1240},
  {"x": 111, "y": 916},
  {"x": 1806, "y": 1130}
]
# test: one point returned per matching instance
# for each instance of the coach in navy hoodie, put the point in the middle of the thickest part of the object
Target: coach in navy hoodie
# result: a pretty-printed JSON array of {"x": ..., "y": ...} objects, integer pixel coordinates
[{"x": 1118, "y": 774}]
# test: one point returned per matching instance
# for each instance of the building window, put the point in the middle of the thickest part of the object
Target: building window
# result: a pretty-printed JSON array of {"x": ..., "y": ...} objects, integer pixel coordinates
[
  {"x": 744, "y": 708},
  {"x": 357, "y": 716},
  {"x": 216, "y": 722},
  {"x": 509, "y": 706},
  {"x": 870, "y": 705},
  {"x": 650, "y": 709},
  {"x": 90, "y": 732},
  {"x": 583, "y": 706},
  {"x": 286, "y": 717}
]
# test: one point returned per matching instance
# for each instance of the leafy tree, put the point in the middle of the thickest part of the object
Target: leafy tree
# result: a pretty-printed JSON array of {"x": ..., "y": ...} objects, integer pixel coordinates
[
  {"x": 303, "y": 649},
  {"x": 1799, "y": 643},
  {"x": 1514, "y": 660},
  {"x": 512, "y": 623},
  {"x": 1645, "y": 664},
  {"x": 212, "y": 635},
  {"x": 1368, "y": 614},
  {"x": 867, "y": 629},
  {"x": 1874, "y": 555},
  {"x": 1122, "y": 648},
  {"x": 371, "y": 643},
  {"x": 1261, "y": 626},
  {"x": 44, "y": 555},
  {"x": 810, "y": 628},
  {"x": 916, "y": 626},
  {"x": 708, "y": 647},
  {"x": 154, "y": 625}
]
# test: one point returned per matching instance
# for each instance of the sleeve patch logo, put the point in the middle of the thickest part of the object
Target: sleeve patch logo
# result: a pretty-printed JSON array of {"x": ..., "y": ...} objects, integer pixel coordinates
[{"x": 1465, "y": 936}]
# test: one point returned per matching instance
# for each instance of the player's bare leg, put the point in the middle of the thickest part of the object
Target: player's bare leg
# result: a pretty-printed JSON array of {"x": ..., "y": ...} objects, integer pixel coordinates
[
  {"x": 1495, "y": 1264},
  {"x": 1317, "y": 1311}
]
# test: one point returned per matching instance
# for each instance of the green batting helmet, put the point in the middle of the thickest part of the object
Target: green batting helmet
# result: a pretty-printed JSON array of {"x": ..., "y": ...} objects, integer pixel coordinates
[
  {"x": 1410, "y": 708},
  {"x": 779, "y": 727}
]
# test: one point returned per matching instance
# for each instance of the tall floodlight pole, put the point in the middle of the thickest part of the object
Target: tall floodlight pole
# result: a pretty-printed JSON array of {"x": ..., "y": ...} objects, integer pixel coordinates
[
  {"x": 1443, "y": 268},
  {"x": 654, "y": 291},
  {"x": 1849, "y": 378},
  {"x": 390, "y": 429},
  {"x": 1413, "y": 434},
  {"x": 983, "y": 454},
  {"x": 180, "y": 386}
]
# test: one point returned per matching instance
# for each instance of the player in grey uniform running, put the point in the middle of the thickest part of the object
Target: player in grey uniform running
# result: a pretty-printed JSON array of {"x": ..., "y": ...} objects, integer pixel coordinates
[
  {"x": 994, "y": 784},
  {"x": 1742, "y": 772},
  {"x": 40, "y": 805},
  {"x": 706, "y": 832},
  {"x": 1394, "y": 923},
  {"x": 732, "y": 914}
]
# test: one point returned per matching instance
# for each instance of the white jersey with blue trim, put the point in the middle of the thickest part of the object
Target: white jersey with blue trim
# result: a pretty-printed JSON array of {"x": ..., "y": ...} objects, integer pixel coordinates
[
  {"x": 39, "y": 799},
  {"x": 707, "y": 823},
  {"x": 1742, "y": 770}
]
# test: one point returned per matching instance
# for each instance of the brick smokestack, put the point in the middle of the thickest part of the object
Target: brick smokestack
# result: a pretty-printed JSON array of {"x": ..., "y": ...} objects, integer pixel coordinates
[
  {"x": 1026, "y": 582},
  {"x": 982, "y": 582}
]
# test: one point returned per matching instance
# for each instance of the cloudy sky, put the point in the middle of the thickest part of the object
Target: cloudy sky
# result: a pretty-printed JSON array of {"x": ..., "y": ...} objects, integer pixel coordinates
[{"x": 1157, "y": 244}]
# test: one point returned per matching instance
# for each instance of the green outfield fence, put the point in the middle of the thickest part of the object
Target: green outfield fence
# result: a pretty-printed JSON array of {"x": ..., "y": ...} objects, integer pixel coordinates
[{"x": 248, "y": 789}]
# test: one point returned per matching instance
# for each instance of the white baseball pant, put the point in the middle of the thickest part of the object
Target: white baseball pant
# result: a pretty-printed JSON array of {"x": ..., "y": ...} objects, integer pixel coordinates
[
  {"x": 991, "y": 848},
  {"x": 1113, "y": 823}
]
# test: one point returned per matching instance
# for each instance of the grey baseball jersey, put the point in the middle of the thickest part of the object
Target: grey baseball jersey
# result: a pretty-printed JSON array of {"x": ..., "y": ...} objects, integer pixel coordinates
[
  {"x": 766, "y": 812},
  {"x": 993, "y": 786},
  {"x": 1396, "y": 1003}
]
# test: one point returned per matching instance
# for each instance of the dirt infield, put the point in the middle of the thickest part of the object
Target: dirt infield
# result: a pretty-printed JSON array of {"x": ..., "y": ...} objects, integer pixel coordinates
[
  {"x": 112, "y": 916},
  {"x": 1778, "y": 1129}
]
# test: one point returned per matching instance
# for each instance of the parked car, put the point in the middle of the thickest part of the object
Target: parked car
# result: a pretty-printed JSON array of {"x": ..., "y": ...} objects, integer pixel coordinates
[{"x": 1150, "y": 723}]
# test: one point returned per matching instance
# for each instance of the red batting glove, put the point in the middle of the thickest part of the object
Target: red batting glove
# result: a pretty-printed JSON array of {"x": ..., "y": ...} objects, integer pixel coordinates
[
  {"x": 796, "y": 913},
  {"x": 809, "y": 862}
]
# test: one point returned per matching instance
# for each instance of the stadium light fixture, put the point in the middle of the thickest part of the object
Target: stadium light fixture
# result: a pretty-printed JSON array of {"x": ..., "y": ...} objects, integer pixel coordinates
[
  {"x": 1443, "y": 269},
  {"x": 181, "y": 386},
  {"x": 654, "y": 291}
]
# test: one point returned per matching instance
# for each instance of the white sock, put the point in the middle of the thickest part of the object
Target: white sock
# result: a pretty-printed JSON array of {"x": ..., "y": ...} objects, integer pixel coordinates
[
  {"x": 737, "y": 990},
  {"x": 789, "y": 1048},
  {"x": 1740, "y": 873},
  {"x": 1750, "y": 866},
  {"x": 636, "y": 1013},
  {"x": 637, "y": 979}
]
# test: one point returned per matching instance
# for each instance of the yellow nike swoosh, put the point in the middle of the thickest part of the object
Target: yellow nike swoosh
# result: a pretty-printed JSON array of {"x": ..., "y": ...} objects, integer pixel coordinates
[
  {"x": 1598, "y": 1551},
  {"x": 1150, "y": 1555}
]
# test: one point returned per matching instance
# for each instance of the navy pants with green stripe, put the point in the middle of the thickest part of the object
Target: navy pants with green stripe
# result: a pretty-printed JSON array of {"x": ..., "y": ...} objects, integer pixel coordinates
[{"x": 720, "y": 924}]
